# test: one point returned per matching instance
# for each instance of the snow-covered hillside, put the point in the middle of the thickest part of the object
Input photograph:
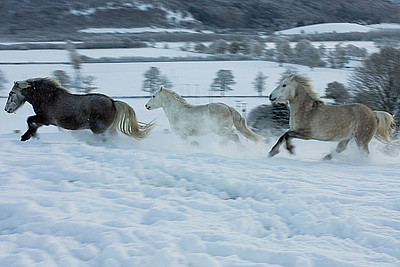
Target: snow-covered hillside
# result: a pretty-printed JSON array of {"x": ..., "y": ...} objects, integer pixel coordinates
[{"x": 68, "y": 199}]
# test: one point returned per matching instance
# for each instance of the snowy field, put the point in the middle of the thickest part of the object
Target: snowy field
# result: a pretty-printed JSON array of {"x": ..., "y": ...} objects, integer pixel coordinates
[
  {"x": 68, "y": 199},
  {"x": 337, "y": 28}
]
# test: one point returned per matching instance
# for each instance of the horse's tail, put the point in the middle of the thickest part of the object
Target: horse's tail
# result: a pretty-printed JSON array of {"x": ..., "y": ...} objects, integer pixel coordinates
[
  {"x": 126, "y": 121},
  {"x": 241, "y": 125},
  {"x": 385, "y": 123}
]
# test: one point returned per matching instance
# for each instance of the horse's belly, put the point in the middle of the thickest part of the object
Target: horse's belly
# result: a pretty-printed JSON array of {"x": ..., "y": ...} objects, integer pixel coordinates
[
  {"x": 192, "y": 128},
  {"x": 72, "y": 124},
  {"x": 331, "y": 135}
]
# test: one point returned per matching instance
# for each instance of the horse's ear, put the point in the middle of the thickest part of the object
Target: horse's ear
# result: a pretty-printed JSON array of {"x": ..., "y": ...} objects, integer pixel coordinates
[
  {"x": 23, "y": 84},
  {"x": 161, "y": 87}
]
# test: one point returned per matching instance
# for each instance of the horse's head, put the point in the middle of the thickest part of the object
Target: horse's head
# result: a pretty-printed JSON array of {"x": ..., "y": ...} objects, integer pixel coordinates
[
  {"x": 284, "y": 91},
  {"x": 155, "y": 100},
  {"x": 17, "y": 96}
]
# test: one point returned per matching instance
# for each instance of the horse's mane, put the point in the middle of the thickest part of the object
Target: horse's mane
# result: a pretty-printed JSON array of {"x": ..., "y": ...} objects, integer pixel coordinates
[
  {"x": 49, "y": 83},
  {"x": 176, "y": 96},
  {"x": 306, "y": 83}
]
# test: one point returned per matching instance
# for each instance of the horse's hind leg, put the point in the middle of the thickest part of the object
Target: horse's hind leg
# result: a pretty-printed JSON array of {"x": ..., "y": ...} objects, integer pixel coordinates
[
  {"x": 275, "y": 148},
  {"x": 34, "y": 122},
  {"x": 362, "y": 139},
  {"x": 342, "y": 145},
  {"x": 229, "y": 135},
  {"x": 363, "y": 146}
]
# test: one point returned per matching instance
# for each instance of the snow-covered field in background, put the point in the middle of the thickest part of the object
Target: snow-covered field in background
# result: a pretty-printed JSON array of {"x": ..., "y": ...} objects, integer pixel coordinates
[
  {"x": 140, "y": 30},
  {"x": 336, "y": 28},
  {"x": 68, "y": 199}
]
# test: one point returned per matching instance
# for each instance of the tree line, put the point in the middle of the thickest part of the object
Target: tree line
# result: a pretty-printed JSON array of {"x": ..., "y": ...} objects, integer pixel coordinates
[{"x": 375, "y": 83}]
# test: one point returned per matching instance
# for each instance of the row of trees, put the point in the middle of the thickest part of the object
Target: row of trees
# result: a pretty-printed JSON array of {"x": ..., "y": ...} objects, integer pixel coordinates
[
  {"x": 304, "y": 52},
  {"x": 222, "y": 82}
]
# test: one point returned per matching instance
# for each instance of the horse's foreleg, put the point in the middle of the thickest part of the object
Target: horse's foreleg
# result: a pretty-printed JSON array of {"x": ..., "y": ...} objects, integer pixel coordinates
[
  {"x": 275, "y": 148},
  {"x": 34, "y": 122},
  {"x": 287, "y": 138}
]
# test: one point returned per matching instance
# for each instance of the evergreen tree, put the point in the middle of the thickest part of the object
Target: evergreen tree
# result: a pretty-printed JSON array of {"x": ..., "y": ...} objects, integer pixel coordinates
[
  {"x": 269, "y": 119},
  {"x": 88, "y": 84},
  {"x": 259, "y": 83},
  {"x": 63, "y": 78},
  {"x": 288, "y": 71},
  {"x": 153, "y": 80},
  {"x": 75, "y": 60},
  {"x": 3, "y": 80},
  {"x": 223, "y": 81},
  {"x": 280, "y": 116},
  {"x": 337, "y": 92}
]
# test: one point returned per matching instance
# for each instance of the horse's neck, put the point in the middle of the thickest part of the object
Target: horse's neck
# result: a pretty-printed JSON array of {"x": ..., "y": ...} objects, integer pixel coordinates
[
  {"x": 301, "y": 105},
  {"x": 172, "y": 107},
  {"x": 301, "y": 102},
  {"x": 39, "y": 97}
]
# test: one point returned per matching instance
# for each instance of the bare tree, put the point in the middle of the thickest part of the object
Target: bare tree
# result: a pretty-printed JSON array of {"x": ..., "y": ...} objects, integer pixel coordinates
[
  {"x": 284, "y": 53},
  {"x": 307, "y": 54},
  {"x": 376, "y": 83},
  {"x": 223, "y": 81},
  {"x": 338, "y": 57}
]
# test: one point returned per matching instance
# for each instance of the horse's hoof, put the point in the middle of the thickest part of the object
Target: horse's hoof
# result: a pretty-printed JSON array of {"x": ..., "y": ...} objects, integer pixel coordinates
[
  {"x": 328, "y": 157},
  {"x": 272, "y": 153},
  {"x": 290, "y": 149},
  {"x": 25, "y": 137},
  {"x": 195, "y": 144}
]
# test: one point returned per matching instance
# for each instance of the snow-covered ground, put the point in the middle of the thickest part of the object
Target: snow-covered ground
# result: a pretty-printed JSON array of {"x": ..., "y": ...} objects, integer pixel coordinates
[{"x": 68, "y": 199}]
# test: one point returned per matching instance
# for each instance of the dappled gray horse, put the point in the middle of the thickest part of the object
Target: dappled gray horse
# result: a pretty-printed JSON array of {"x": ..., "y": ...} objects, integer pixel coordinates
[
  {"x": 312, "y": 118},
  {"x": 54, "y": 105}
]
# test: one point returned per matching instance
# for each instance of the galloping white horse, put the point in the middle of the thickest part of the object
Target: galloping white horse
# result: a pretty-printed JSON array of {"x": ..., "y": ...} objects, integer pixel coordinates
[
  {"x": 196, "y": 120},
  {"x": 312, "y": 118}
]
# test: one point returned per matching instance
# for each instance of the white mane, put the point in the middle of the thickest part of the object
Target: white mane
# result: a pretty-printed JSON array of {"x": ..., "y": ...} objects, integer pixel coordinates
[
  {"x": 306, "y": 83},
  {"x": 176, "y": 96}
]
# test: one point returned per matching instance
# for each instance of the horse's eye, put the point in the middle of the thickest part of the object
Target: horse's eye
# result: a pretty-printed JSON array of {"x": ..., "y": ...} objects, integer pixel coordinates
[
  {"x": 153, "y": 96},
  {"x": 284, "y": 85}
]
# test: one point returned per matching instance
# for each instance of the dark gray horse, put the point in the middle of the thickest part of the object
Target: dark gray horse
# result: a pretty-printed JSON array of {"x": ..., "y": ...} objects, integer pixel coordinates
[{"x": 54, "y": 105}]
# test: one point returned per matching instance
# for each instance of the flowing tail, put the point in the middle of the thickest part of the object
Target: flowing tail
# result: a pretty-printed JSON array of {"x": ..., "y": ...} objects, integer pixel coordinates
[
  {"x": 241, "y": 125},
  {"x": 385, "y": 122},
  {"x": 126, "y": 121}
]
